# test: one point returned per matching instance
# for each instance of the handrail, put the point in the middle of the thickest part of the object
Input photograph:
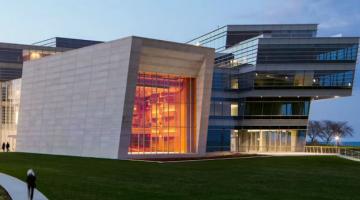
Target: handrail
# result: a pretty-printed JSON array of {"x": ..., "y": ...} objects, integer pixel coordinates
[
  {"x": 354, "y": 154},
  {"x": 322, "y": 149},
  {"x": 265, "y": 148},
  {"x": 349, "y": 152}
]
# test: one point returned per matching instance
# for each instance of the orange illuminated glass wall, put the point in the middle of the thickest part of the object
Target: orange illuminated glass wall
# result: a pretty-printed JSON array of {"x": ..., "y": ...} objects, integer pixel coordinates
[{"x": 164, "y": 114}]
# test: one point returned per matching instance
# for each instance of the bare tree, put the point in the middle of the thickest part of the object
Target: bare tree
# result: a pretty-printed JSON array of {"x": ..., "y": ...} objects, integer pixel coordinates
[
  {"x": 328, "y": 133},
  {"x": 333, "y": 129},
  {"x": 315, "y": 131},
  {"x": 343, "y": 129}
]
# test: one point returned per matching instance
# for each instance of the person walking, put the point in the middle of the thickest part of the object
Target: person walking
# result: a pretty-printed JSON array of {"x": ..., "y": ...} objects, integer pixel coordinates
[
  {"x": 31, "y": 183},
  {"x": 3, "y": 146},
  {"x": 7, "y": 147}
]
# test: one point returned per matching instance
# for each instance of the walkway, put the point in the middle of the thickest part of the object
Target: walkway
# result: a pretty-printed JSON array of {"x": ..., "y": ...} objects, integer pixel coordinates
[
  {"x": 341, "y": 154},
  {"x": 17, "y": 189},
  {"x": 296, "y": 154}
]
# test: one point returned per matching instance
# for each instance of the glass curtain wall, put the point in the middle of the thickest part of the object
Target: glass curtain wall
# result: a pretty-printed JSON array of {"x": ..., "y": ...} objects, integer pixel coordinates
[
  {"x": 243, "y": 53},
  {"x": 312, "y": 79},
  {"x": 277, "y": 108},
  {"x": 260, "y": 108},
  {"x": 306, "y": 53},
  {"x": 10, "y": 102},
  {"x": 267, "y": 140},
  {"x": 163, "y": 115},
  {"x": 226, "y": 79},
  {"x": 215, "y": 39}
]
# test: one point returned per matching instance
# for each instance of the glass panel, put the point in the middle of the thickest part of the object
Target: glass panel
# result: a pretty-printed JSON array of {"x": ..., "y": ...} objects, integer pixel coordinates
[
  {"x": 277, "y": 108},
  {"x": 313, "y": 79},
  {"x": 234, "y": 83},
  {"x": 10, "y": 104},
  {"x": 163, "y": 116},
  {"x": 234, "y": 109},
  {"x": 268, "y": 140}
]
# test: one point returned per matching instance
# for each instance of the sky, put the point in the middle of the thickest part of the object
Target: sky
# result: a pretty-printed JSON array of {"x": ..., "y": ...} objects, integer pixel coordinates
[{"x": 27, "y": 22}]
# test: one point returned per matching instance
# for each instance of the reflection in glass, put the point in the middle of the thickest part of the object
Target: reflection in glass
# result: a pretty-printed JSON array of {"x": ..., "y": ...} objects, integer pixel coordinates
[{"x": 36, "y": 54}]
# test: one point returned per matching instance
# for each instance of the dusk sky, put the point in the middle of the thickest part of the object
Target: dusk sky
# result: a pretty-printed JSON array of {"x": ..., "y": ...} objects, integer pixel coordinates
[{"x": 31, "y": 21}]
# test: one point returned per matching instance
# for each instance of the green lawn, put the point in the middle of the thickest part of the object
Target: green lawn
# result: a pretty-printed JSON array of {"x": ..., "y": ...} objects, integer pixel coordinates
[{"x": 289, "y": 178}]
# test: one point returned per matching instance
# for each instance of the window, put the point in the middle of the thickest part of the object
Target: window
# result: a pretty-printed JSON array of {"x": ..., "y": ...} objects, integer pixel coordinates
[
  {"x": 163, "y": 114},
  {"x": 234, "y": 83},
  {"x": 234, "y": 109},
  {"x": 306, "y": 53},
  {"x": 293, "y": 79},
  {"x": 277, "y": 108},
  {"x": 218, "y": 140}
]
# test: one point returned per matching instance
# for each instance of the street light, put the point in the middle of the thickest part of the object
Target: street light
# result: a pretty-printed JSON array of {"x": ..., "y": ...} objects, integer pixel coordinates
[{"x": 337, "y": 138}]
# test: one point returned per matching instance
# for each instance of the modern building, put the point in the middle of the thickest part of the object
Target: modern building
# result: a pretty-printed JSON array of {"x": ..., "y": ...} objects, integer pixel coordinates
[
  {"x": 119, "y": 99},
  {"x": 12, "y": 57},
  {"x": 239, "y": 88},
  {"x": 264, "y": 80}
]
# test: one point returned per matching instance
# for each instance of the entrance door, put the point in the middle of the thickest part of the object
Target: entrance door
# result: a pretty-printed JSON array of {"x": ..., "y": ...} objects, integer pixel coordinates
[{"x": 248, "y": 141}]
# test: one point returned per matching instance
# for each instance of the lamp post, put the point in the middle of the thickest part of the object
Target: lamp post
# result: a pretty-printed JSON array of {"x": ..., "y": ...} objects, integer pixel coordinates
[{"x": 337, "y": 138}]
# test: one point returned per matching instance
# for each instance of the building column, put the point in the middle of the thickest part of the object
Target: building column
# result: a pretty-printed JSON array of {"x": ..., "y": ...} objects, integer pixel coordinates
[
  {"x": 261, "y": 141},
  {"x": 234, "y": 141},
  {"x": 293, "y": 140}
]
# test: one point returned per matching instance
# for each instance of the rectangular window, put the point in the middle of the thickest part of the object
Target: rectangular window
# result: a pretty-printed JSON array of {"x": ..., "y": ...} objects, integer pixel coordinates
[
  {"x": 163, "y": 114},
  {"x": 234, "y": 109},
  {"x": 234, "y": 83}
]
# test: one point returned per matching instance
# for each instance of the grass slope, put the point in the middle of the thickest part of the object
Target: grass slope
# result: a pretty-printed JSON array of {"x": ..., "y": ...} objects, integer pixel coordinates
[{"x": 61, "y": 177}]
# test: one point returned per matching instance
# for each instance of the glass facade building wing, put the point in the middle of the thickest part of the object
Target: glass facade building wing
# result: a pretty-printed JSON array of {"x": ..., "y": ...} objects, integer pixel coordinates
[{"x": 275, "y": 58}]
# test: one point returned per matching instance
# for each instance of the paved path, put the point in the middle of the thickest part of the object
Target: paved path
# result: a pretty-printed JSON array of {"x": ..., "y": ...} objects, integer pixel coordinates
[
  {"x": 296, "y": 154},
  {"x": 17, "y": 189}
]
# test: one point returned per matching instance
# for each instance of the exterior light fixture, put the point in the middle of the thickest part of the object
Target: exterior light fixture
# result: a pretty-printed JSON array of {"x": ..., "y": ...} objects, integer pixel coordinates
[
  {"x": 337, "y": 138},
  {"x": 349, "y": 84},
  {"x": 314, "y": 80}
]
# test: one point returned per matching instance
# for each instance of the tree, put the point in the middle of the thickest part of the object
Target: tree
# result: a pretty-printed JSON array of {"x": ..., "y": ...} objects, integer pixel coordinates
[
  {"x": 315, "y": 131},
  {"x": 328, "y": 131},
  {"x": 331, "y": 129},
  {"x": 343, "y": 129}
]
